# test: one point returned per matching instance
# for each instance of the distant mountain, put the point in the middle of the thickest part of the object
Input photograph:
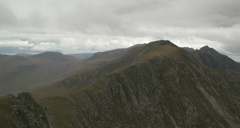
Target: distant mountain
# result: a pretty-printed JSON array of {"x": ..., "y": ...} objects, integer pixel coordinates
[
  {"x": 82, "y": 55},
  {"x": 23, "y": 71},
  {"x": 189, "y": 49},
  {"x": 210, "y": 57},
  {"x": 103, "y": 58},
  {"x": 25, "y": 54},
  {"x": 53, "y": 56},
  {"x": 20, "y": 72},
  {"x": 112, "y": 54}
]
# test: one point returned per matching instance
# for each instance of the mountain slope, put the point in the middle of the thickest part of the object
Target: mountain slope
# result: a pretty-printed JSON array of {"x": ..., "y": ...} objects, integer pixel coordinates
[
  {"x": 82, "y": 55},
  {"x": 86, "y": 69},
  {"x": 53, "y": 56},
  {"x": 210, "y": 57},
  {"x": 19, "y": 73},
  {"x": 102, "y": 58},
  {"x": 156, "y": 85}
]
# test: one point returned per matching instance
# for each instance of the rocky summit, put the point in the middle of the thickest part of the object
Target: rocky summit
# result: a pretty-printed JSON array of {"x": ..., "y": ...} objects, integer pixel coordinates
[{"x": 157, "y": 85}]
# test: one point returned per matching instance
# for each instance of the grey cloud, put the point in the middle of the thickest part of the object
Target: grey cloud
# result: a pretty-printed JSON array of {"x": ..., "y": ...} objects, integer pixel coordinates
[
  {"x": 81, "y": 15},
  {"x": 14, "y": 50},
  {"x": 106, "y": 20},
  {"x": 7, "y": 16}
]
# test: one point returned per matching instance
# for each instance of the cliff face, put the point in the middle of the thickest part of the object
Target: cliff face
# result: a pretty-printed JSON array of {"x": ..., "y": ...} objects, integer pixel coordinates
[
  {"x": 22, "y": 111},
  {"x": 159, "y": 85}
]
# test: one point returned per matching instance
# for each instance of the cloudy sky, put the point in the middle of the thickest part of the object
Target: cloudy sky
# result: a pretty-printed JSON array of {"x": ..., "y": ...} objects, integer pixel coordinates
[{"x": 78, "y": 26}]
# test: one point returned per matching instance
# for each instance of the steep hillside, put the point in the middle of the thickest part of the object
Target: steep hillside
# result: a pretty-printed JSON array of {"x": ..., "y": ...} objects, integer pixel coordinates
[
  {"x": 23, "y": 71},
  {"x": 87, "y": 67},
  {"x": 19, "y": 73},
  {"x": 103, "y": 58},
  {"x": 156, "y": 85}
]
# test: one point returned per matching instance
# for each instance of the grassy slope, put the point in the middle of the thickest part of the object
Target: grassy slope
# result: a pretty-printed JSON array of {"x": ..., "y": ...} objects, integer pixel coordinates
[
  {"x": 5, "y": 109},
  {"x": 87, "y": 67},
  {"x": 18, "y": 73}
]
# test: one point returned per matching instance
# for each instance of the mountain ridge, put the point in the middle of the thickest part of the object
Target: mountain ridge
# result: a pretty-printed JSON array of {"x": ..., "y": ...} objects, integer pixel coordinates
[
  {"x": 211, "y": 58},
  {"x": 145, "y": 89},
  {"x": 153, "y": 85},
  {"x": 19, "y": 73},
  {"x": 53, "y": 56}
]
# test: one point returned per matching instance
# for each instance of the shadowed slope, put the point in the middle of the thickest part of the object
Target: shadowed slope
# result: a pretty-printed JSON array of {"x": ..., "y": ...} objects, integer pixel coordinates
[{"x": 210, "y": 57}]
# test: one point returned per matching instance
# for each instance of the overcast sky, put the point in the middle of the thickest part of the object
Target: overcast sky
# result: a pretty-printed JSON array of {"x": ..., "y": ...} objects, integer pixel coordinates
[{"x": 78, "y": 26}]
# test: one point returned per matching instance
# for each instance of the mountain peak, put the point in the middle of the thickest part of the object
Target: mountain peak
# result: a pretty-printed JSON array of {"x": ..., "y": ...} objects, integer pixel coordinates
[
  {"x": 205, "y": 47},
  {"x": 189, "y": 49},
  {"x": 50, "y": 53},
  {"x": 54, "y": 56},
  {"x": 210, "y": 57},
  {"x": 163, "y": 42},
  {"x": 208, "y": 50}
]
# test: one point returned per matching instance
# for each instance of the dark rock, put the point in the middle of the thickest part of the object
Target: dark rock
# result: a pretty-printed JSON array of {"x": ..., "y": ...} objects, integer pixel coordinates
[
  {"x": 30, "y": 114},
  {"x": 189, "y": 49},
  {"x": 210, "y": 57}
]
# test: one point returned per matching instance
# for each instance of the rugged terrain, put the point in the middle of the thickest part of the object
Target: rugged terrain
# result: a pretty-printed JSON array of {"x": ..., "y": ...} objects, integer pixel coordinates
[
  {"x": 21, "y": 72},
  {"x": 23, "y": 112},
  {"x": 210, "y": 57},
  {"x": 157, "y": 85}
]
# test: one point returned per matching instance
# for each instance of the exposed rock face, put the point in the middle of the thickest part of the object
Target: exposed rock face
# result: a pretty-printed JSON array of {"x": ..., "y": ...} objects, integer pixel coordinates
[
  {"x": 210, "y": 57},
  {"x": 27, "y": 113}
]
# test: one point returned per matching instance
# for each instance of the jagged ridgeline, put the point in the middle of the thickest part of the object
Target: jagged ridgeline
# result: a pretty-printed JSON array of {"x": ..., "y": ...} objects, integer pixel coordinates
[{"x": 157, "y": 85}]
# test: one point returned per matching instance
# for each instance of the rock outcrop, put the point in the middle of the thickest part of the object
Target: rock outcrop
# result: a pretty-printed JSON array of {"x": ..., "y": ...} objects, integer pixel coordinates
[{"x": 26, "y": 113}]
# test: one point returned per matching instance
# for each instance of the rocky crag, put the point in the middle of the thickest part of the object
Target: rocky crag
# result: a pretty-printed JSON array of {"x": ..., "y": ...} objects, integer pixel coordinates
[{"x": 24, "y": 112}]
